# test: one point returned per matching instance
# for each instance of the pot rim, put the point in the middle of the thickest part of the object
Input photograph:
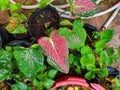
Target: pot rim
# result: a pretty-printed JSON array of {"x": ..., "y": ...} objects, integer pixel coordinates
[{"x": 74, "y": 80}]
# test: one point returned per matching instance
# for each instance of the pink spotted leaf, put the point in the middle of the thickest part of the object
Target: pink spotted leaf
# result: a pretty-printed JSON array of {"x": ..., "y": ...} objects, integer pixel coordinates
[
  {"x": 56, "y": 49},
  {"x": 83, "y": 7}
]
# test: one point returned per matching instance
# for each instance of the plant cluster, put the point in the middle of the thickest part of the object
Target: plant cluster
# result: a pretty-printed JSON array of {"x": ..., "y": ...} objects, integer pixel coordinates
[
  {"x": 66, "y": 51},
  {"x": 30, "y": 68},
  {"x": 17, "y": 6},
  {"x": 16, "y": 23}
]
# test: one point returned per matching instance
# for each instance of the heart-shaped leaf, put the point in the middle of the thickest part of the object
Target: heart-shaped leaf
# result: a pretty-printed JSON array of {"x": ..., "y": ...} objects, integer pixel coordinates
[
  {"x": 29, "y": 60},
  {"x": 76, "y": 37},
  {"x": 56, "y": 48},
  {"x": 83, "y": 7}
]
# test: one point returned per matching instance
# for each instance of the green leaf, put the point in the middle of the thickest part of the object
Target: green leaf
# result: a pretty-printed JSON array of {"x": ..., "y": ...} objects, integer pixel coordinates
[
  {"x": 100, "y": 44},
  {"x": 5, "y": 58},
  {"x": 65, "y": 22},
  {"x": 88, "y": 59},
  {"x": 48, "y": 83},
  {"x": 86, "y": 50},
  {"x": 78, "y": 70},
  {"x": 19, "y": 86},
  {"x": 52, "y": 73},
  {"x": 20, "y": 29},
  {"x": 15, "y": 6},
  {"x": 70, "y": 2},
  {"x": 90, "y": 67},
  {"x": 76, "y": 38},
  {"x": 4, "y": 4},
  {"x": 110, "y": 51},
  {"x": 15, "y": 25},
  {"x": 35, "y": 82},
  {"x": 43, "y": 3},
  {"x": 89, "y": 75},
  {"x": 77, "y": 24},
  {"x": 4, "y": 74},
  {"x": 119, "y": 52},
  {"x": 21, "y": 18},
  {"x": 30, "y": 57},
  {"x": 40, "y": 77},
  {"x": 107, "y": 35},
  {"x": 116, "y": 88},
  {"x": 105, "y": 59},
  {"x": 103, "y": 72},
  {"x": 73, "y": 60}
]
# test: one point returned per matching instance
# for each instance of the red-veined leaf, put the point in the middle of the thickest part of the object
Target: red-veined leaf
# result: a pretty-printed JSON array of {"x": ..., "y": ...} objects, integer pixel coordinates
[
  {"x": 84, "y": 7},
  {"x": 56, "y": 49}
]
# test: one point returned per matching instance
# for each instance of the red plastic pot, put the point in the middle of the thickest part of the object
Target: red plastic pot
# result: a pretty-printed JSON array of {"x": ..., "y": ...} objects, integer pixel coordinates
[{"x": 73, "y": 80}]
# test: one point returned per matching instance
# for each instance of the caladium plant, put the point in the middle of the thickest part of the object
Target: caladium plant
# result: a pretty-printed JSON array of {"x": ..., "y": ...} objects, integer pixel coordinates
[
  {"x": 29, "y": 60},
  {"x": 56, "y": 49},
  {"x": 83, "y": 7},
  {"x": 75, "y": 37}
]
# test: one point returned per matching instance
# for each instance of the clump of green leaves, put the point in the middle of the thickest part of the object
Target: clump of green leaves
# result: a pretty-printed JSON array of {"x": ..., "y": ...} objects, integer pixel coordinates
[
  {"x": 15, "y": 24},
  {"x": 4, "y": 4},
  {"x": 30, "y": 57},
  {"x": 16, "y": 6},
  {"x": 29, "y": 63},
  {"x": 75, "y": 37},
  {"x": 43, "y": 3},
  {"x": 89, "y": 60},
  {"x": 95, "y": 58}
]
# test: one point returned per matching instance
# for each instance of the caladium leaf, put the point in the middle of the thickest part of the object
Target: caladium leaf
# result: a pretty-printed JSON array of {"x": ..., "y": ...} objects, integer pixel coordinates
[
  {"x": 76, "y": 37},
  {"x": 29, "y": 60},
  {"x": 56, "y": 48},
  {"x": 83, "y": 7}
]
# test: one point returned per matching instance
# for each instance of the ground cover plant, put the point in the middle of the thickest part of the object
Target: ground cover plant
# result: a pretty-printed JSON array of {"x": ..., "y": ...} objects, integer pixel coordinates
[
  {"x": 54, "y": 48},
  {"x": 19, "y": 63}
]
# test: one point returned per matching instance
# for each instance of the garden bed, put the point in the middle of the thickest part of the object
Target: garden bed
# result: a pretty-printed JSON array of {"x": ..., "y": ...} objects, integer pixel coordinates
[{"x": 39, "y": 46}]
